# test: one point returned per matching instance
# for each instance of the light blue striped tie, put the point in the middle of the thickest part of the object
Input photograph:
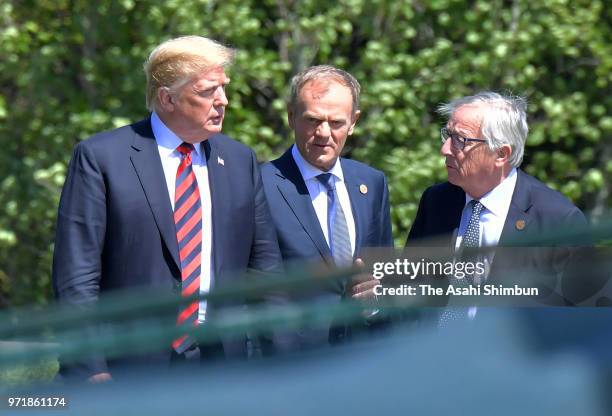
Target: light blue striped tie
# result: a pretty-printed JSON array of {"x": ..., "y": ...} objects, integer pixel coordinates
[{"x": 339, "y": 240}]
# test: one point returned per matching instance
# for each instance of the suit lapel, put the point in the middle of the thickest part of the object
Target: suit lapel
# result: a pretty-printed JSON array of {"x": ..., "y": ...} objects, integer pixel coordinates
[
  {"x": 451, "y": 213},
  {"x": 518, "y": 218},
  {"x": 147, "y": 163},
  {"x": 295, "y": 193},
  {"x": 220, "y": 201},
  {"x": 518, "y": 213},
  {"x": 359, "y": 205}
]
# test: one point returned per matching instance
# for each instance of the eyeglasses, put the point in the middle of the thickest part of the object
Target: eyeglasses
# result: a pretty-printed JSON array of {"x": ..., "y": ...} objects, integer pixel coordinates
[{"x": 458, "y": 142}]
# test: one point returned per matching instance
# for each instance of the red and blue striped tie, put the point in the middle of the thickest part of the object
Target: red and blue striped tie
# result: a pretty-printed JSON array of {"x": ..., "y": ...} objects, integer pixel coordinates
[{"x": 188, "y": 221}]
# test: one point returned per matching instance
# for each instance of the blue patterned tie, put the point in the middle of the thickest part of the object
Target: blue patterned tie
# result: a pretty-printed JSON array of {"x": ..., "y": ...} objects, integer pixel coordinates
[
  {"x": 470, "y": 243},
  {"x": 337, "y": 230},
  {"x": 472, "y": 232},
  {"x": 471, "y": 240}
]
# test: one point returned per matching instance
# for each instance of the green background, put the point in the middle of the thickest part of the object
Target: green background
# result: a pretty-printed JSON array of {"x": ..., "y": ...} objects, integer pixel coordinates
[{"x": 69, "y": 69}]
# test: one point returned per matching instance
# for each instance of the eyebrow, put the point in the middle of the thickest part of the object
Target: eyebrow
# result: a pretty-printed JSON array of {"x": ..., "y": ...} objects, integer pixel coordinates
[
  {"x": 206, "y": 87},
  {"x": 214, "y": 82},
  {"x": 319, "y": 117},
  {"x": 463, "y": 133}
]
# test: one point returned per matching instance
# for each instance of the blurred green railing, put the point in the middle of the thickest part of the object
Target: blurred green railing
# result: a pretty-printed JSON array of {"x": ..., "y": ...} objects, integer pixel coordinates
[{"x": 143, "y": 320}]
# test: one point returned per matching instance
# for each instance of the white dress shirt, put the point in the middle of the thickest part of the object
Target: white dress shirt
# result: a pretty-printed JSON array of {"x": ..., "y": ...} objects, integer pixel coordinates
[
  {"x": 496, "y": 204},
  {"x": 318, "y": 193},
  {"x": 167, "y": 142}
]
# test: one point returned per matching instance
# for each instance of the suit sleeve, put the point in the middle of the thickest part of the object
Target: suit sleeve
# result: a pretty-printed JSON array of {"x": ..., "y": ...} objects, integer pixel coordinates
[
  {"x": 417, "y": 229},
  {"x": 385, "y": 217},
  {"x": 576, "y": 223},
  {"x": 79, "y": 241},
  {"x": 266, "y": 259},
  {"x": 265, "y": 252}
]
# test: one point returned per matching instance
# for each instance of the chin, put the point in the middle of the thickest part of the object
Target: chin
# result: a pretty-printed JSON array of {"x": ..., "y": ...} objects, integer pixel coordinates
[
  {"x": 214, "y": 129},
  {"x": 324, "y": 164},
  {"x": 452, "y": 178}
]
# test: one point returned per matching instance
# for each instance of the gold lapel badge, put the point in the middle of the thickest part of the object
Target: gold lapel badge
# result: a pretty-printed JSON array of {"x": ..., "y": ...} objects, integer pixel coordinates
[
  {"x": 520, "y": 225},
  {"x": 363, "y": 189}
]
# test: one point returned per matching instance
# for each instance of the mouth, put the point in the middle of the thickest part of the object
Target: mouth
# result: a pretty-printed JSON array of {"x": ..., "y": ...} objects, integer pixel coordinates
[{"x": 449, "y": 167}]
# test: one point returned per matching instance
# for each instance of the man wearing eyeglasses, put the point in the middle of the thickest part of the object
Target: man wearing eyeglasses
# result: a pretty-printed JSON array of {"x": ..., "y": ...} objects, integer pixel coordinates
[
  {"x": 483, "y": 144},
  {"x": 488, "y": 200}
]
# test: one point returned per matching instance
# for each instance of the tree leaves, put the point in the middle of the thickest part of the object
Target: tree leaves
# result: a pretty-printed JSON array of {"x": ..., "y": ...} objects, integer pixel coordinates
[{"x": 70, "y": 69}]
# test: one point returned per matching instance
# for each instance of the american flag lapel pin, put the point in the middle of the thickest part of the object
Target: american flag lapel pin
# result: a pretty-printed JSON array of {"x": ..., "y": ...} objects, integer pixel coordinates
[{"x": 220, "y": 161}]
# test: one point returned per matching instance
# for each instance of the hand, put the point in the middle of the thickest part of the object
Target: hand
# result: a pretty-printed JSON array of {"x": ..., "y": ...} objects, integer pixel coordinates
[
  {"x": 100, "y": 378},
  {"x": 362, "y": 284}
]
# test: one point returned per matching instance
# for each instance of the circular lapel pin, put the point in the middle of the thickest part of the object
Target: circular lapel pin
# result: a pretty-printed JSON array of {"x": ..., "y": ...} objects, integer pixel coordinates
[
  {"x": 520, "y": 225},
  {"x": 363, "y": 189}
]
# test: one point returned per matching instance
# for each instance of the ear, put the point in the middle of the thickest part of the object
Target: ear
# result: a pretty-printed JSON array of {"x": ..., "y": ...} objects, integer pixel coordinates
[
  {"x": 290, "y": 115},
  {"x": 165, "y": 99},
  {"x": 356, "y": 115},
  {"x": 503, "y": 154}
]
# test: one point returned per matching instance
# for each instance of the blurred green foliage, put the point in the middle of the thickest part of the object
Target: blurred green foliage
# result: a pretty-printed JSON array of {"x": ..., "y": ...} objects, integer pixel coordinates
[
  {"x": 72, "y": 68},
  {"x": 41, "y": 371}
]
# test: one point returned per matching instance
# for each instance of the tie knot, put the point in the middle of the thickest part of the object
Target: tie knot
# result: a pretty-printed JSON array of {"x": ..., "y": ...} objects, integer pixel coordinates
[
  {"x": 476, "y": 207},
  {"x": 185, "y": 148},
  {"x": 327, "y": 180}
]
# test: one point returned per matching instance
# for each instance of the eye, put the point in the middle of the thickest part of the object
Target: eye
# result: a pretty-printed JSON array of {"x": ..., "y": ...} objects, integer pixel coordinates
[
  {"x": 456, "y": 137},
  {"x": 336, "y": 124},
  {"x": 207, "y": 92}
]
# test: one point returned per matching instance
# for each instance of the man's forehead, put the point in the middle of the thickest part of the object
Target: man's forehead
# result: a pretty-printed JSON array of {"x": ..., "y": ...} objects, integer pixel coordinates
[
  {"x": 470, "y": 110},
  {"x": 319, "y": 87},
  {"x": 468, "y": 114},
  {"x": 212, "y": 75}
]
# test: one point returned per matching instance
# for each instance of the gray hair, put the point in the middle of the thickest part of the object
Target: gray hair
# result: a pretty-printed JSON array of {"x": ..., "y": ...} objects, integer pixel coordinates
[
  {"x": 324, "y": 72},
  {"x": 504, "y": 120}
]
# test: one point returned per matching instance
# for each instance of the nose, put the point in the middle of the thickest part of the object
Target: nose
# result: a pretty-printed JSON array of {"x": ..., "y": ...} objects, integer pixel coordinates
[
  {"x": 445, "y": 150},
  {"x": 220, "y": 97},
  {"x": 323, "y": 130}
]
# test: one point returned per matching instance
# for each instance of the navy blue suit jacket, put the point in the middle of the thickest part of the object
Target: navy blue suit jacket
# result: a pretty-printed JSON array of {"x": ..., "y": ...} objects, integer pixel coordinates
[
  {"x": 300, "y": 236},
  {"x": 115, "y": 227},
  {"x": 542, "y": 211}
]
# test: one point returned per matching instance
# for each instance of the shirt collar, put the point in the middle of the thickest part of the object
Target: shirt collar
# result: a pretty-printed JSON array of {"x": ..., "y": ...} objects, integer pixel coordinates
[
  {"x": 310, "y": 172},
  {"x": 498, "y": 199},
  {"x": 167, "y": 140}
]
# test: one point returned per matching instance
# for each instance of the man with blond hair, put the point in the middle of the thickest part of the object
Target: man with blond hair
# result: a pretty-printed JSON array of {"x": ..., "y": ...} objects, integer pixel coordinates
[{"x": 149, "y": 204}]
